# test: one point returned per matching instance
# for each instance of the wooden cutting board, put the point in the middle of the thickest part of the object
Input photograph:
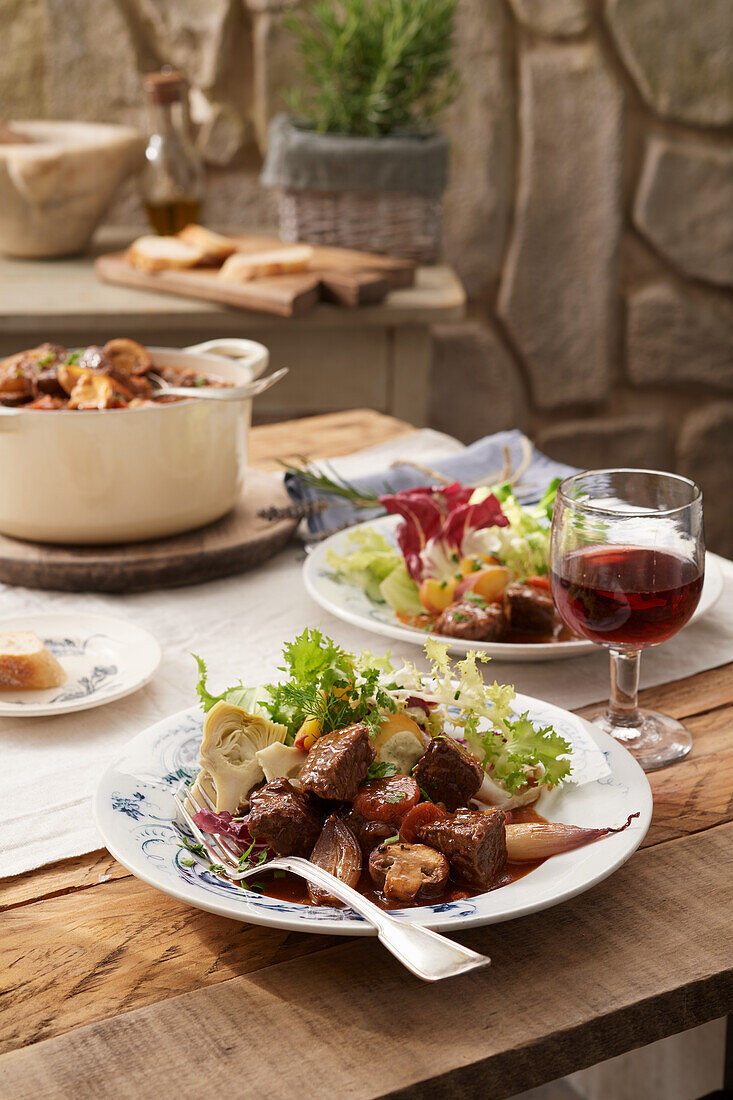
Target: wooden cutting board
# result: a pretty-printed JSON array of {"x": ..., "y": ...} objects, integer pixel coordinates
[
  {"x": 337, "y": 275},
  {"x": 239, "y": 541}
]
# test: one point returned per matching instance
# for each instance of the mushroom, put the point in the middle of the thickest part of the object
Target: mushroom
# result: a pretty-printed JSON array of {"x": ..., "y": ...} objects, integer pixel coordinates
[
  {"x": 128, "y": 356},
  {"x": 408, "y": 872},
  {"x": 15, "y": 388}
]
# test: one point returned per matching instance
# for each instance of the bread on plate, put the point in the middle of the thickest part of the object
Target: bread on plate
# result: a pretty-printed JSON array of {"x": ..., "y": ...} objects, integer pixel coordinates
[{"x": 26, "y": 664}]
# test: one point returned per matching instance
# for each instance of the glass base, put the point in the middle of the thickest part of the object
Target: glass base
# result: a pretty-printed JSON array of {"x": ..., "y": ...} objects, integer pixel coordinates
[{"x": 655, "y": 740}]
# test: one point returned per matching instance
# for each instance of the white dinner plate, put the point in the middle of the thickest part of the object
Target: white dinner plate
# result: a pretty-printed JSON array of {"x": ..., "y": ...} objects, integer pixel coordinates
[
  {"x": 104, "y": 658},
  {"x": 351, "y": 603},
  {"x": 135, "y": 813}
]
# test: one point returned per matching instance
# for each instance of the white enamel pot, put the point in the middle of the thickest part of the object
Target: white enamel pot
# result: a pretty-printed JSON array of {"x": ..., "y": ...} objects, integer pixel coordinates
[{"x": 122, "y": 475}]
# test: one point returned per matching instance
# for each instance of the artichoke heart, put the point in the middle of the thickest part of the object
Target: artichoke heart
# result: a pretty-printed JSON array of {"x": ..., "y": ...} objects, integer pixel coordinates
[{"x": 231, "y": 738}]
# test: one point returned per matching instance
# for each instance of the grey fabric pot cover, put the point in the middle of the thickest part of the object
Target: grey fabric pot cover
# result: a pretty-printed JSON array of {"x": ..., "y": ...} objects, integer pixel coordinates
[{"x": 303, "y": 160}]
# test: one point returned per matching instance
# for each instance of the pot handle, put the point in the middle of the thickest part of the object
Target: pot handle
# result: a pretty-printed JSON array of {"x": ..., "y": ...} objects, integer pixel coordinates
[{"x": 249, "y": 352}]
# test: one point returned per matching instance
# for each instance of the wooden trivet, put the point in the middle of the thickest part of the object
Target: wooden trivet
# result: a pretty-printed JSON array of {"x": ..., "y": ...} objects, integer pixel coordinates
[{"x": 239, "y": 541}]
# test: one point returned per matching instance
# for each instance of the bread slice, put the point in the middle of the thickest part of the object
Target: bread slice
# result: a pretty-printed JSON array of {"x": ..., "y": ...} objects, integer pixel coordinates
[
  {"x": 163, "y": 253},
  {"x": 214, "y": 246},
  {"x": 26, "y": 664},
  {"x": 243, "y": 266}
]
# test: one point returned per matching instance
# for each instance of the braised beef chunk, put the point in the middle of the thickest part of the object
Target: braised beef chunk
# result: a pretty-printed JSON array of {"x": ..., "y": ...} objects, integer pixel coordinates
[
  {"x": 473, "y": 841},
  {"x": 529, "y": 610},
  {"x": 287, "y": 820},
  {"x": 471, "y": 620},
  {"x": 369, "y": 833},
  {"x": 448, "y": 773},
  {"x": 337, "y": 763}
]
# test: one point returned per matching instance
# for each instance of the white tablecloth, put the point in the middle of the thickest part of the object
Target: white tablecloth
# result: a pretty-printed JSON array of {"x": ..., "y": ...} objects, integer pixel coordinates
[{"x": 51, "y": 765}]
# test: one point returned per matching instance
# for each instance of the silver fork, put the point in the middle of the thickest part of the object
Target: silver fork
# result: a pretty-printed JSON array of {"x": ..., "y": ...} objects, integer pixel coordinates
[{"x": 425, "y": 953}]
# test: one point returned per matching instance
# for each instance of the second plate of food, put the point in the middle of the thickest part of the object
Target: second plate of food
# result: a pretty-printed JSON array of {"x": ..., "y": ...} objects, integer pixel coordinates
[{"x": 352, "y": 603}]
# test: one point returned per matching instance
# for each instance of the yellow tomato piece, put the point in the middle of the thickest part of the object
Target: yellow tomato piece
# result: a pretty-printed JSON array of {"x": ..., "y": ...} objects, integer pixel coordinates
[
  {"x": 471, "y": 565},
  {"x": 308, "y": 734},
  {"x": 491, "y": 582},
  {"x": 436, "y": 595}
]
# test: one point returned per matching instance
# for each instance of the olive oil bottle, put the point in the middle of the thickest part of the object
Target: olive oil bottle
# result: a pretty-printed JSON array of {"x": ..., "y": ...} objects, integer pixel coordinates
[{"x": 172, "y": 181}]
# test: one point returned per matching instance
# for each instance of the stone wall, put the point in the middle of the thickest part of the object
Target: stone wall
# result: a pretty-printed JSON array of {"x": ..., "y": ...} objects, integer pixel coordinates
[
  {"x": 602, "y": 316},
  {"x": 589, "y": 210}
]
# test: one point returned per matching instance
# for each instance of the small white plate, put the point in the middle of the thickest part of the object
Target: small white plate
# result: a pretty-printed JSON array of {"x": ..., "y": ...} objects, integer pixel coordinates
[
  {"x": 104, "y": 658},
  {"x": 350, "y": 603},
  {"x": 135, "y": 813}
]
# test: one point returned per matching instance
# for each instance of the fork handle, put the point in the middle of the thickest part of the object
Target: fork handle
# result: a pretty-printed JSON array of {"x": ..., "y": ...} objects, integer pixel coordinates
[{"x": 427, "y": 954}]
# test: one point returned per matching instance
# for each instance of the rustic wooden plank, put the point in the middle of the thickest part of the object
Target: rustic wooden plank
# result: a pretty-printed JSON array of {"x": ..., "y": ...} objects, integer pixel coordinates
[
  {"x": 326, "y": 436},
  {"x": 67, "y": 960},
  {"x": 348, "y": 274},
  {"x": 697, "y": 793},
  {"x": 78, "y": 873},
  {"x": 569, "y": 987},
  {"x": 693, "y": 695}
]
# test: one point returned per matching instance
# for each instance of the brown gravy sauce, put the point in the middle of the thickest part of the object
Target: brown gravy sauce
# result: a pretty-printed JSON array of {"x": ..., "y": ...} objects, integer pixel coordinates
[{"x": 292, "y": 888}]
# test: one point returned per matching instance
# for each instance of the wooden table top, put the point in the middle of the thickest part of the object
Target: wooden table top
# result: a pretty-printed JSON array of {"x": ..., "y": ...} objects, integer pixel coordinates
[
  {"x": 114, "y": 989},
  {"x": 64, "y": 295}
]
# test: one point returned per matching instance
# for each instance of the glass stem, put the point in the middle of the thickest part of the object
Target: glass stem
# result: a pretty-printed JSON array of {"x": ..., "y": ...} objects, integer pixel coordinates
[{"x": 623, "y": 705}]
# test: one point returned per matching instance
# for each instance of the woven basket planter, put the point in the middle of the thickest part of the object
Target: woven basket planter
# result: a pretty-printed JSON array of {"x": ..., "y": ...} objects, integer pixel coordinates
[{"x": 372, "y": 194}]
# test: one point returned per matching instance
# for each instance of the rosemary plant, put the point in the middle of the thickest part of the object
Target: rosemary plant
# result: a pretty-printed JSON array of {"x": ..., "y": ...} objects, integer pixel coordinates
[{"x": 373, "y": 67}]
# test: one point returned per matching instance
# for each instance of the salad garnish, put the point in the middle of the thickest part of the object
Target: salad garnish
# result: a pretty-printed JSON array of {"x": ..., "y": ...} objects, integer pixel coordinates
[
  {"x": 325, "y": 688},
  {"x": 455, "y": 544}
]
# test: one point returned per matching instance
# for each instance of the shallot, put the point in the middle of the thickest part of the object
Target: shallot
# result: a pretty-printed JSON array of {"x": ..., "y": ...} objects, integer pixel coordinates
[{"x": 533, "y": 840}]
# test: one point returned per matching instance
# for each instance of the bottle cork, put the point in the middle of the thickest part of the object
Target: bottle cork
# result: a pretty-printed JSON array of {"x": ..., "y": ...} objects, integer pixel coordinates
[{"x": 167, "y": 86}]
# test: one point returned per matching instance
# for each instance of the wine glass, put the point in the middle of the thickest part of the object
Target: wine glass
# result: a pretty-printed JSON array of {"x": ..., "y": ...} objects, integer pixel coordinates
[{"x": 627, "y": 562}]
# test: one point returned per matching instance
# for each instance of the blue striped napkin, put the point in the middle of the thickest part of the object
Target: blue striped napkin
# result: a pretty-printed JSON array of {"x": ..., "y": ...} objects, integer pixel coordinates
[{"x": 482, "y": 461}]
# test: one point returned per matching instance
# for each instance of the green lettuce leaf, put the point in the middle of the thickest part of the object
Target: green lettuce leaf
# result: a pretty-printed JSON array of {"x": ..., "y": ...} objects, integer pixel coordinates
[
  {"x": 370, "y": 561},
  {"x": 249, "y": 699},
  {"x": 399, "y": 590},
  {"x": 523, "y": 546}
]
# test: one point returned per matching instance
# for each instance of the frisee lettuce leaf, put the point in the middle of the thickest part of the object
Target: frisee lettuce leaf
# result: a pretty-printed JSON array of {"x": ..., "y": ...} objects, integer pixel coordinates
[
  {"x": 238, "y": 695},
  {"x": 509, "y": 747}
]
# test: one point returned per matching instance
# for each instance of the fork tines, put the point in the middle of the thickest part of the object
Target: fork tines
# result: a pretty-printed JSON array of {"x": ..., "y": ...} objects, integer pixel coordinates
[{"x": 220, "y": 849}]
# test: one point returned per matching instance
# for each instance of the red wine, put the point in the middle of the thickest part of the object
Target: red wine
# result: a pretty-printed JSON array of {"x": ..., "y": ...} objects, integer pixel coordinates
[{"x": 626, "y": 595}]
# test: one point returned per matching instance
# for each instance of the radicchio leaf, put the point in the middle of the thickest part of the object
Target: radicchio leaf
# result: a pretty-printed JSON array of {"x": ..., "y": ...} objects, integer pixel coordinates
[
  {"x": 224, "y": 824},
  {"x": 443, "y": 514},
  {"x": 424, "y": 511},
  {"x": 471, "y": 517}
]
